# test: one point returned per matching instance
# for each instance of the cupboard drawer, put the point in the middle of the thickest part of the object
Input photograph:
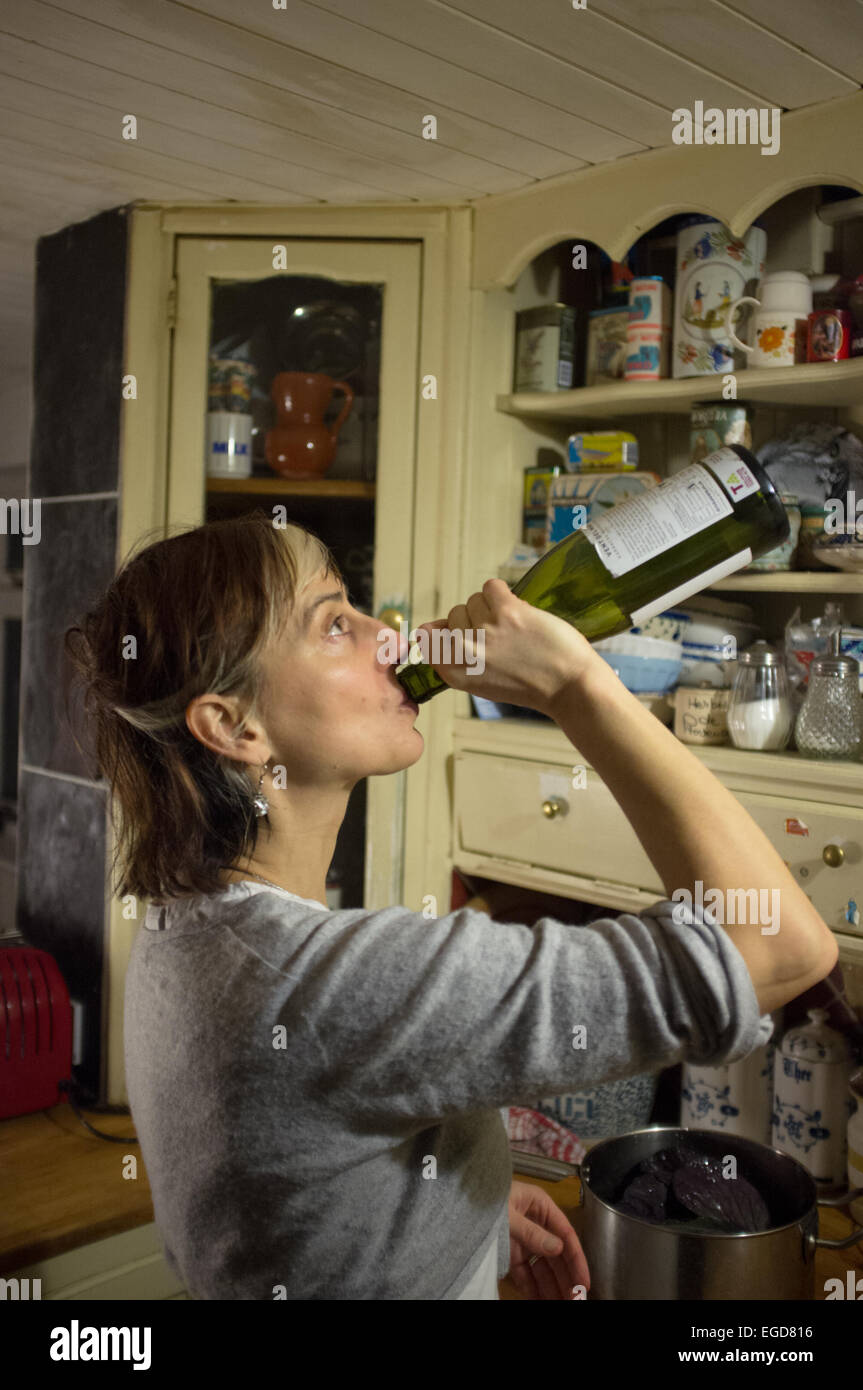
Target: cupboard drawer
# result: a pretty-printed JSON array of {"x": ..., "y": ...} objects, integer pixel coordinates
[
  {"x": 801, "y": 831},
  {"x": 499, "y": 814}
]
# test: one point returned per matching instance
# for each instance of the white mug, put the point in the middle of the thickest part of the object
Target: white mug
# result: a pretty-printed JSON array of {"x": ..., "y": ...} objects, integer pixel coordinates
[
  {"x": 229, "y": 445},
  {"x": 779, "y": 335}
]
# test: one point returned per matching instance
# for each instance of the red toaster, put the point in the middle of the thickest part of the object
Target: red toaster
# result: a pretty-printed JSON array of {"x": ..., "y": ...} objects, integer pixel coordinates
[{"x": 35, "y": 1031}]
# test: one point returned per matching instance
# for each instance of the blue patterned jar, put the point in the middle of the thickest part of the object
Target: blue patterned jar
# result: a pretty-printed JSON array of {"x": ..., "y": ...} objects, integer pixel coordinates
[{"x": 811, "y": 1100}]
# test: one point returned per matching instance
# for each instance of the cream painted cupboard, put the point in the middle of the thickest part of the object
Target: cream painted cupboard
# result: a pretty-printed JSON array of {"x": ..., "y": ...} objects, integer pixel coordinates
[
  {"x": 520, "y": 814},
  {"x": 451, "y": 448}
]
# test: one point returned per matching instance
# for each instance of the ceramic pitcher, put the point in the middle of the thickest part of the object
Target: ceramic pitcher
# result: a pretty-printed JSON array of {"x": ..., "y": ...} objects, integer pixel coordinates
[
  {"x": 300, "y": 445},
  {"x": 714, "y": 268}
]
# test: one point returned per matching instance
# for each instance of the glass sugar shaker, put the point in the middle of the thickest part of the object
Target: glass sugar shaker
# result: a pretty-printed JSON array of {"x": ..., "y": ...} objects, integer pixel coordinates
[
  {"x": 760, "y": 712},
  {"x": 830, "y": 722}
]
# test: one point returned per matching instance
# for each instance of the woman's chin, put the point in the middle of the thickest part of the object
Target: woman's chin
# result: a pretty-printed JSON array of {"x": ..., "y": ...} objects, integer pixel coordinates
[{"x": 411, "y": 752}]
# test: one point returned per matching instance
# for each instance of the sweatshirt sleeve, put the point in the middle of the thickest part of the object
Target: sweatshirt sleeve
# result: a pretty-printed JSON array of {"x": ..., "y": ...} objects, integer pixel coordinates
[{"x": 417, "y": 1019}]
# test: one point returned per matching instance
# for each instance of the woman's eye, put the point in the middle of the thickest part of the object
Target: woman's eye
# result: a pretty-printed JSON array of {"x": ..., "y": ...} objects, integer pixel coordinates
[{"x": 340, "y": 619}]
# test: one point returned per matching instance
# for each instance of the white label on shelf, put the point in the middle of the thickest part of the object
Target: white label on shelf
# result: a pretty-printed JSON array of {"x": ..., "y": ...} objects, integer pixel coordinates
[
  {"x": 692, "y": 586},
  {"x": 657, "y": 519}
]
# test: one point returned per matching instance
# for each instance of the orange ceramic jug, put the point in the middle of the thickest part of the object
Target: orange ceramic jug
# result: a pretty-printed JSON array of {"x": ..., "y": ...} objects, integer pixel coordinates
[{"x": 300, "y": 445}]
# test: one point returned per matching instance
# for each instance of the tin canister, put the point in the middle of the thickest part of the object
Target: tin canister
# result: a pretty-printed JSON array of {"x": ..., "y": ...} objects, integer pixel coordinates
[
  {"x": 546, "y": 348},
  {"x": 606, "y": 345},
  {"x": 713, "y": 424},
  {"x": 829, "y": 335},
  {"x": 648, "y": 353},
  {"x": 577, "y": 498},
  {"x": 601, "y": 451},
  {"x": 534, "y": 512},
  {"x": 649, "y": 302},
  {"x": 782, "y": 558}
]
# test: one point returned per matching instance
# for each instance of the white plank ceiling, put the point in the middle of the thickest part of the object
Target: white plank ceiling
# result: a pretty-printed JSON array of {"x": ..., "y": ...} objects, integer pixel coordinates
[{"x": 324, "y": 100}]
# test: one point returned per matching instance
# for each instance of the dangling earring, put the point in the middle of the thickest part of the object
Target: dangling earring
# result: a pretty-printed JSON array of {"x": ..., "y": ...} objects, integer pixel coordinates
[{"x": 260, "y": 802}]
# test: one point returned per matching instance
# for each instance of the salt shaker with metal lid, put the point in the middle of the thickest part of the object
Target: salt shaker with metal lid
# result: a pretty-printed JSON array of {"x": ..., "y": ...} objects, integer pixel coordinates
[
  {"x": 760, "y": 712},
  {"x": 830, "y": 722}
]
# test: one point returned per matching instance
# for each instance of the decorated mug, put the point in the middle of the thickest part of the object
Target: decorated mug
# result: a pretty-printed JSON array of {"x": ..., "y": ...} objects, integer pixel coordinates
[
  {"x": 779, "y": 336},
  {"x": 714, "y": 267}
]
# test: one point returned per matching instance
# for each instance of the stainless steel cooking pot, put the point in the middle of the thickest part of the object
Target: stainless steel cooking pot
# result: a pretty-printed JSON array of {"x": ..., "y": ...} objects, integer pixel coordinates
[{"x": 633, "y": 1259}]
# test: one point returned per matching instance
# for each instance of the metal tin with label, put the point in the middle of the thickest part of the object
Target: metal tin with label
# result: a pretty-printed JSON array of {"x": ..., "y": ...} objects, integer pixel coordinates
[
  {"x": 713, "y": 424},
  {"x": 545, "y": 348}
]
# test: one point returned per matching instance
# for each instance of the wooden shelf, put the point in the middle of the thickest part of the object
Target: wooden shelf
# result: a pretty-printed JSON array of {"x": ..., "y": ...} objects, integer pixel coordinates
[
  {"x": 771, "y": 582},
  {"x": 293, "y": 487},
  {"x": 795, "y": 582},
  {"x": 745, "y": 769},
  {"x": 815, "y": 384}
]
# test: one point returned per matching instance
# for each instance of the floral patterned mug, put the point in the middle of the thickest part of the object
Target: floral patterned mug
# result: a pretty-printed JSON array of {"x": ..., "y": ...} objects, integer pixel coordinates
[{"x": 779, "y": 337}]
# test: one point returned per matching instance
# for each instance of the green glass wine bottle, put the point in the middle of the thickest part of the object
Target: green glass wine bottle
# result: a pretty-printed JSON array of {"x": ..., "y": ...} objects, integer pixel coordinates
[{"x": 646, "y": 554}]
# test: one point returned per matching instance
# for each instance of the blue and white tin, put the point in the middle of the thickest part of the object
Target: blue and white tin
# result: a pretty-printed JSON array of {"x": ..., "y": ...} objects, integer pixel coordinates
[
  {"x": 650, "y": 303},
  {"x": 811, "y": 1099}
]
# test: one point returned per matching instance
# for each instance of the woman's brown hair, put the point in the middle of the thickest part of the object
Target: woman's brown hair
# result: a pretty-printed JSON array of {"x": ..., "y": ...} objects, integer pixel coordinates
[{"x": 184, "y": 616}]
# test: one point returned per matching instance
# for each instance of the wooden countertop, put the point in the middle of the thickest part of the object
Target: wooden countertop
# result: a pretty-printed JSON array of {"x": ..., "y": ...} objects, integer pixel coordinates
[
  {"x": 834, "y": 1223},
  {"x": 61, "y": 1187}
]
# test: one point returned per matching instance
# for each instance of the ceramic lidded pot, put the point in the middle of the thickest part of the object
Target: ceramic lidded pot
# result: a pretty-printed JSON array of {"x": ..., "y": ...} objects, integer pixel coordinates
[
  {"x": 811, "y": 1099},
  {"x": 736, "y": 1098}
]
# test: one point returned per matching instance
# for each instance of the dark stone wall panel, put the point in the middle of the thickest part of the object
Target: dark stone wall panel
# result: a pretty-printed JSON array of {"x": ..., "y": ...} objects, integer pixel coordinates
[
  {"x": 71, "y": 566},
  {"x": 78, "y": 357}
]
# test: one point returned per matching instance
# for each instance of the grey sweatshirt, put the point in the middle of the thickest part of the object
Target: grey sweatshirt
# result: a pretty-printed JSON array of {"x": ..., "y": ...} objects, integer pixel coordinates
[{"x": 317, "y": 1093}]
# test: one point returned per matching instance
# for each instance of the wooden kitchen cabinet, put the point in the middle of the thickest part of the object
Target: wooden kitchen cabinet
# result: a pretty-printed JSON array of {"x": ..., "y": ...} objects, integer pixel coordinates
[
  {"x": 508, "y": 779},
  {"x": 419, "y": 259},
  {"x": 504, "y": 770},
  {"x": 448, "y": 498}
]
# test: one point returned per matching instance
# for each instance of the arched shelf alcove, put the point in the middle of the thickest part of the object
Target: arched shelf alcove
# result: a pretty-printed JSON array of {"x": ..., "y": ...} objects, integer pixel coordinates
[{"x": 613, "y": 204}]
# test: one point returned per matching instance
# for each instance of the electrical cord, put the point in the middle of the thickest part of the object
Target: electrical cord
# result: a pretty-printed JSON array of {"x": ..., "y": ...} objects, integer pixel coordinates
[{"x": 74, "y": 1092}]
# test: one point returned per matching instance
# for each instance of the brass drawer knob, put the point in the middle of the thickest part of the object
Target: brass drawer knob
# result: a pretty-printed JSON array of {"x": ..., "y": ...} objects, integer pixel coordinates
[
  {"x": 555, "y": 806},
  {"x": 833, "y": 855}
]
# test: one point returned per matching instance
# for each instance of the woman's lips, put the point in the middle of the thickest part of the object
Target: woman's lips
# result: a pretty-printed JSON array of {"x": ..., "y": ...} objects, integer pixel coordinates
[{"x": 409, "y": 704}]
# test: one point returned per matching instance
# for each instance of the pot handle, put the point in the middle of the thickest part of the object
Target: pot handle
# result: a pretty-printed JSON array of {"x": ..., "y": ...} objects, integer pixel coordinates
[
  {"x": 539, "y": 1166},
  {"x": 840, "y": 1201}
]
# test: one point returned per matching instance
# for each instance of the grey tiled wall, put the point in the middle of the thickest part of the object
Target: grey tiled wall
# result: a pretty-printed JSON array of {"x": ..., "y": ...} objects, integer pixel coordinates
[
  {"x": 63, "y": 574},
  {"x": 63, "y": 875}
]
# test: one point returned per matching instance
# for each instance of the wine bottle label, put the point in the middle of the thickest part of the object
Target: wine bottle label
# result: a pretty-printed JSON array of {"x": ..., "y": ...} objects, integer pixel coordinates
[
  {"x": 738, "y": 480},
  {"x": 661, "y": 517},
  {"x": 692, "y": 586}
]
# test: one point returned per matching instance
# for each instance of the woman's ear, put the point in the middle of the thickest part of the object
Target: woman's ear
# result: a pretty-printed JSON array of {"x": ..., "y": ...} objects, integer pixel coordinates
[{"x": 215, "y": 721}]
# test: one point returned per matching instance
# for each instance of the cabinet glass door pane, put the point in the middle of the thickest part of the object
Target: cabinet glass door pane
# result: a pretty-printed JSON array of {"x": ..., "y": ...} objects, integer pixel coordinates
[
  {"x": 265, "y": 364},
  {"x": 306, "y": 326}
]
